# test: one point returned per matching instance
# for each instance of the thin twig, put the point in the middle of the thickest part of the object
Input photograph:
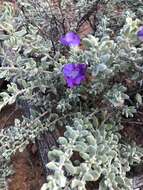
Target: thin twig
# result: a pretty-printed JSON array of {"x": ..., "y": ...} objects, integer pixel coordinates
[{"x": 133, "y": 122}]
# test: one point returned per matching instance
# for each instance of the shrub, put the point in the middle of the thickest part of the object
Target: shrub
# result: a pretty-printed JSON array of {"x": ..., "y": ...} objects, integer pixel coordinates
[{"x": 33, "y": 62}]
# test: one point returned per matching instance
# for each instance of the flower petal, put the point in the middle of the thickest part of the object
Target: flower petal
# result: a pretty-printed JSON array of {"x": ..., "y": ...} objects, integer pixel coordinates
[
  {"x": 140, "y": 33},
  {"x": 74, "y": 74},
  {"x": 68, "y": 68},
  {"x": 70, "y": 39},
  {"x": 70, "y": 83}
]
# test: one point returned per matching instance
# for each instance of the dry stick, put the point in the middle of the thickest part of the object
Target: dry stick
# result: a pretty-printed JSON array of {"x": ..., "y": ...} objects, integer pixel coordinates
[
  {"x": 133, "y": 122},
  {"x": 63, "y": 19},
  {"x": 141, "y": 113},
  {"x": 52, "y": 41},
  {"x": 87, "y": 15},
  {"x": 13, "y": 69}
]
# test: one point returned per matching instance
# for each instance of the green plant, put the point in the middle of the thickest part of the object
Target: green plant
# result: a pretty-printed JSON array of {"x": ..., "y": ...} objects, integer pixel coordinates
[
  {"x": 32, "y": 62},
  {"x": 105, "y": 159}
]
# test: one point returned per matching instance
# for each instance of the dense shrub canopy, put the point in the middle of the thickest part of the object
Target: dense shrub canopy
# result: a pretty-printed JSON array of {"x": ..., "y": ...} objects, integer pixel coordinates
[{"x": 73, "y": 82}]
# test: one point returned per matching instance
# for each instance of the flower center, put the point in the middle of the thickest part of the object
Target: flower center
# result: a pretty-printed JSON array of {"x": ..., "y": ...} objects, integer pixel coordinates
[{"x": 74, "y": 74}]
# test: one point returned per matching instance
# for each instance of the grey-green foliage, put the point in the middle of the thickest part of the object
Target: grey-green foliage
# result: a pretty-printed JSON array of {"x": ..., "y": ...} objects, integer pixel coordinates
[
  {"x": 27, "y": 62},
  {"x": 103, "y": 157},
  {"x": 35, "y": 76},
  {"x": 105, "y": 58},
  {"x": 117, "y": 96},
  {"x": 15, "y": 138}
]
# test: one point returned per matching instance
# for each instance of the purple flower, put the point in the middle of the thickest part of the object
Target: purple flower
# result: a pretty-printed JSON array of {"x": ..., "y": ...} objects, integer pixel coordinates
[
  {"x": 140, "y": 33},
  {"x": 70, "y": 39},
  {"x": 74, "y": 74}
]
